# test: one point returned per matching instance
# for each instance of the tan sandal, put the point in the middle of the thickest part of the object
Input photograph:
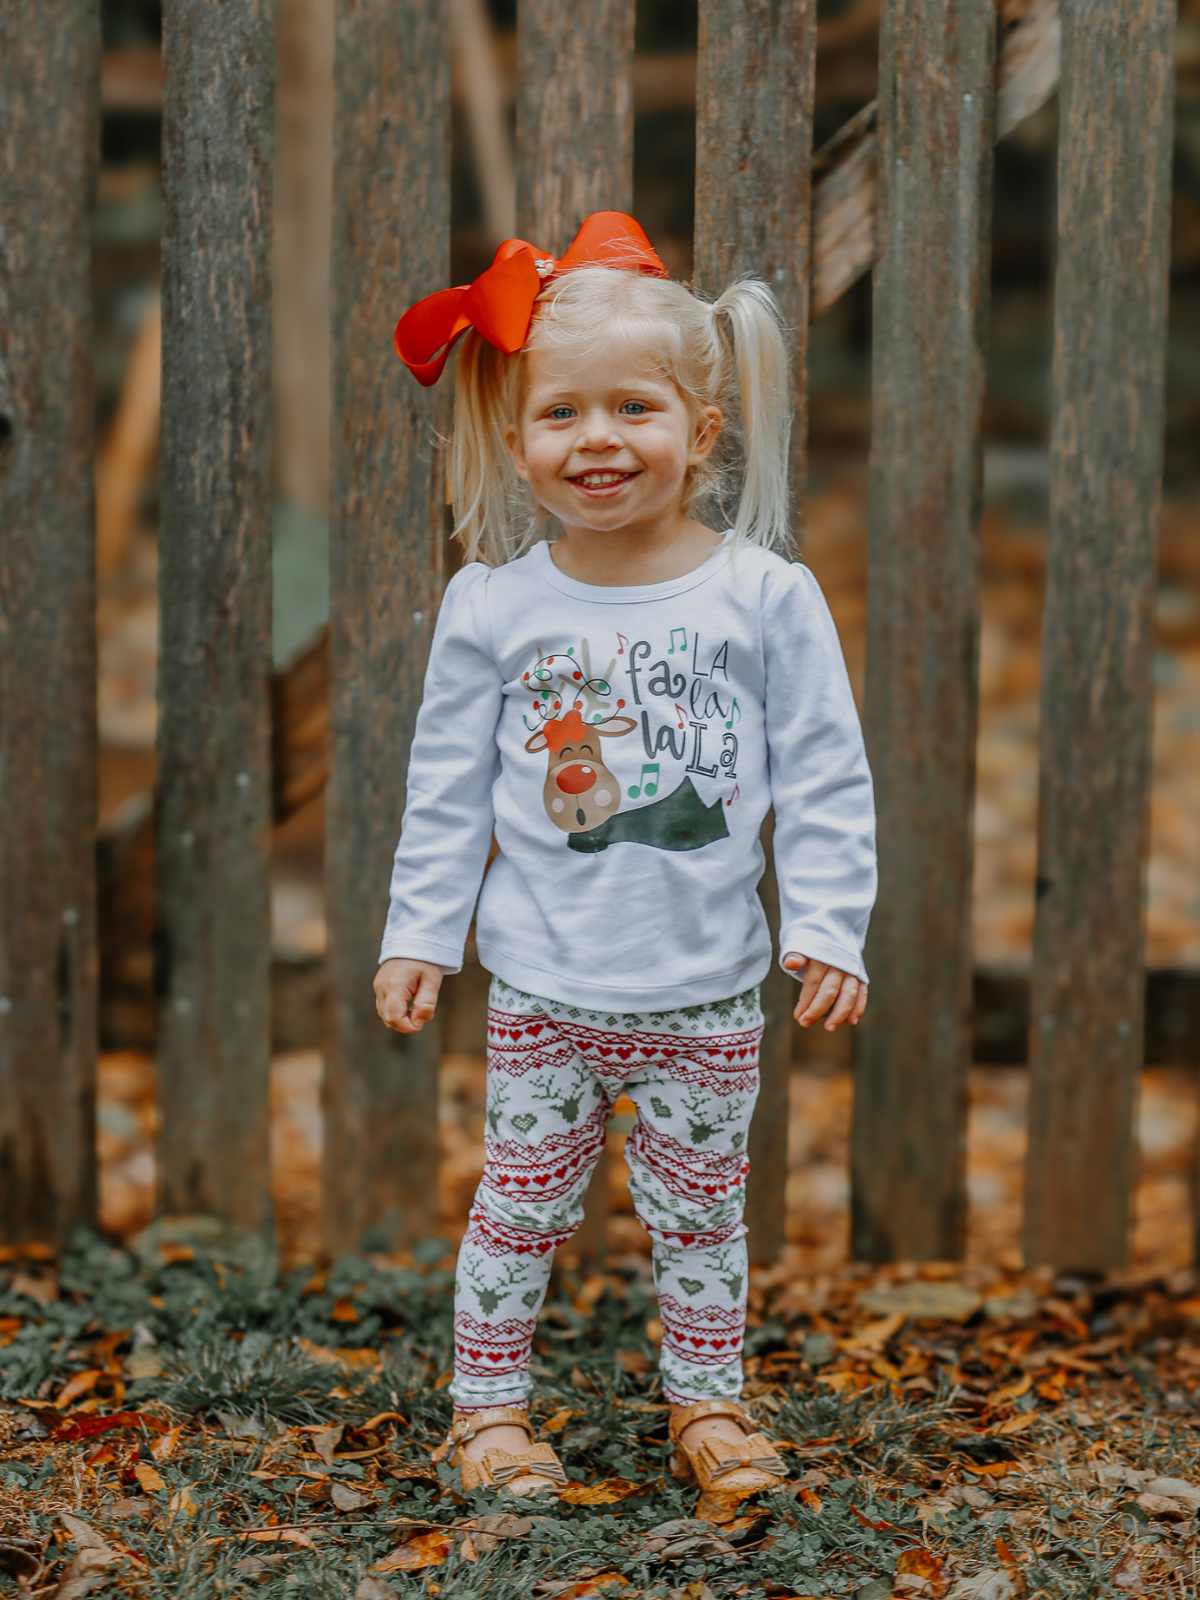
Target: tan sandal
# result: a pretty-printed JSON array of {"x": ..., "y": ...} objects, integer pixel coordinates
[
  {"x": 744, "y": 1467},
  {"x": 534, "y": 1471}
]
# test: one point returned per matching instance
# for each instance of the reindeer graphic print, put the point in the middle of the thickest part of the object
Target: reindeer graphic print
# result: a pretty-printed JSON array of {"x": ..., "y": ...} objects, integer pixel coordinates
[
  {"x": 622, "y": 747},
  {"x": 575, "y": 710}
]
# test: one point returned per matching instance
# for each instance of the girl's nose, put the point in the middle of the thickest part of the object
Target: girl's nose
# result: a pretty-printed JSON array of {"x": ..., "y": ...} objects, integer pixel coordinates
[{"x": 599, "y": 431}]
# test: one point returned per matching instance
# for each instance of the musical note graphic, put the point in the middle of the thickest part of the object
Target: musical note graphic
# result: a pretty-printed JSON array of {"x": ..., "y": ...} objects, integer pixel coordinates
[
  {"x": 736, "y": 713},
  {"x": 683, "y": 646},
  {"x": 682, "y": 713},
  {"x": 650, "y": 783},
  {"x": 623, "y": 643},
  {"x": 737, "y": 789}
]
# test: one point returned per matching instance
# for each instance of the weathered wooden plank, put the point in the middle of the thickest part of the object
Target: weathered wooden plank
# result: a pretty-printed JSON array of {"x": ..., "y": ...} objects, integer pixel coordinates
[
  {"x": 49, "y": 152},
  {"x": 754, "y": 104},
  {"x": 389, "y": 562},
  {"x": 574, "y": 156},
  {"x": 930, "y": 328},
  {"x": 213, "y": 829},
  {"x": 1106, "y": 452}
]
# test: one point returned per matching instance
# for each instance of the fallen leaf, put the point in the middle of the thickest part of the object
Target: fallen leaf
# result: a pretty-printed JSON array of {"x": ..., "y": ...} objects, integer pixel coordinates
[
  {"x": 426, "y": 1550},
  {"x": 81, "y": 1383},
  {"x": 149, "y": 1478},
  {"x": 347, "y": 1499},
  {"x": 605, "y": 1493},
  {"x": 326, "y": 1440},
  {"x": 182, "y": 1501},
  {"x": 922, "y": 1563},
  {"x": 559, "y": 1420},
  {"x": 164, "y": 1448}
]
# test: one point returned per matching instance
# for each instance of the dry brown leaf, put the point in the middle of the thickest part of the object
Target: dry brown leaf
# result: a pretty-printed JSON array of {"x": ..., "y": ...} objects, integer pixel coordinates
[
  {"x": 604, "y": 1493},
  {"x": 556, "y": 1423},
  {"x": 183, "y": 1501},
  {"x": 922, "y": 1563},
  {"x": 325, "y": 1441},
  {"x": 81, "y": 1383},
  {"x": 426, "y": 1550},
  {"x": 344, "y": 1311},
  {"x": 149, "y": 1478},
  {"x": 165, "y": 1446},
  {"x": 380, "y": 1417},
  {"x": 279, "y": 1536}
]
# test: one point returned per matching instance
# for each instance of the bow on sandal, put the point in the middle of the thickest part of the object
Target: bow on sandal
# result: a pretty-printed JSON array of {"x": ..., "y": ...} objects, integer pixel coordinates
[
  {"x": 746, "y": 1465},
  {"x": 534, "y": 1471}
]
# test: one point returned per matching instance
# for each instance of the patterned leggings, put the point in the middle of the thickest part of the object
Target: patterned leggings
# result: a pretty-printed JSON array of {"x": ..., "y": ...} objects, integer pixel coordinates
[{"x": 553, "y": 1071}]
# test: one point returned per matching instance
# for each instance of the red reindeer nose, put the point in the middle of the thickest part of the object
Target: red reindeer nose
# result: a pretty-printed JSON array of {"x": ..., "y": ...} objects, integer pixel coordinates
[{"x": 575, "y": 778}]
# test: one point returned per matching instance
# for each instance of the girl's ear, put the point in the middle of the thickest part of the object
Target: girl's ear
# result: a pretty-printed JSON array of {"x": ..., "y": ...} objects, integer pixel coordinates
[
  {"x": 512, "y": 440},
  {"x": 708, "y": 426}
]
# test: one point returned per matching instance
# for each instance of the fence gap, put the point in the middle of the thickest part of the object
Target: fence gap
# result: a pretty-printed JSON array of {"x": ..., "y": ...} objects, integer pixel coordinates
[
  {"x": 1106, "y": 452},
  {"x": 936, "y": 129}
]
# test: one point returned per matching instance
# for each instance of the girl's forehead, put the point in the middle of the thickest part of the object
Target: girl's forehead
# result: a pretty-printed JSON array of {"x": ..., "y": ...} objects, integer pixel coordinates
[{"x": 614, "y": 360}]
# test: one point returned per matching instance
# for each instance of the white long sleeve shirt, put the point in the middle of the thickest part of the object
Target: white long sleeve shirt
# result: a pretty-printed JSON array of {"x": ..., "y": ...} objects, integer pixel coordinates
[{"x": 624, "y": 744}]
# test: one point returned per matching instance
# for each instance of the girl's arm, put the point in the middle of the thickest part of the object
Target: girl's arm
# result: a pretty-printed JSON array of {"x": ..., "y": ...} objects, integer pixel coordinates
[
  {"x": 821, "y": 787},
  {"x": 447, "y": 823}
]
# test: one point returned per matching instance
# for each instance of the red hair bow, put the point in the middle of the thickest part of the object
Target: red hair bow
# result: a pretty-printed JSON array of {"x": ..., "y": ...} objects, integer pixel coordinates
[{"x": 499, "y": 302}]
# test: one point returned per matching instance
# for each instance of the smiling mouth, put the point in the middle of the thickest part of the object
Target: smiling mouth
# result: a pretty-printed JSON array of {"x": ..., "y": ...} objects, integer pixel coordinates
[{"x": 595, "y": 483}]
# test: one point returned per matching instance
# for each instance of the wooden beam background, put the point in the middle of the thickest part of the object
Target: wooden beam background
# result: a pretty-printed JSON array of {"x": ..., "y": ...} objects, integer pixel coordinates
[
  {"x": 1106, "y": 451},
  {"x": 936, "y": 130},
  {"x": 388, "y": 567},
  {"x": 49, "y": 162},
  {"x": 213, "y": 825}
]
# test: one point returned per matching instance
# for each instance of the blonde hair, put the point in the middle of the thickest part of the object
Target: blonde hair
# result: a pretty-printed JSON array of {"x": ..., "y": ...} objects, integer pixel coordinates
[{"x": 730, "y": 353}]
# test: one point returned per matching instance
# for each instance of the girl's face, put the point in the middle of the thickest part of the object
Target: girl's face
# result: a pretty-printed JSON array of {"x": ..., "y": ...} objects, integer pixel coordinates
[{"x": 605, "y": 440}]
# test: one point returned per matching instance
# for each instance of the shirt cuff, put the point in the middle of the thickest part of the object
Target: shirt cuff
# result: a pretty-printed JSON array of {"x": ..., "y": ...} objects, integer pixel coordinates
[
  {"x": 799, "y": 941},
  {"x": 431, "y": 950}
]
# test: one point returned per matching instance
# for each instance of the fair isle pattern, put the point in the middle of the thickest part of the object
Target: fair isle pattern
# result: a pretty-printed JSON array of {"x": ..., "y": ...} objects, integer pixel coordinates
[
  {"x": 498, "y": 1239},
  {"x": 549, "y": 1168},
  {"x": 519, "y": 1043},
  {"x": 553, "y": 1070},
  {"x": 703, "y": 1336},
  {"x": 685, "y": 1172},
  {"x": 725, "y": 1063},
  {"x": 490, "y": 1350}
]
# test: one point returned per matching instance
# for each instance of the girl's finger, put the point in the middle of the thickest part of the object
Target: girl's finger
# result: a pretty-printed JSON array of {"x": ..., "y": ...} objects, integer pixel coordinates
[
  {"x": 861, "y": 1006},
  {"x": 823, "y": 999},
  {"x": 846, "y": 1002}
]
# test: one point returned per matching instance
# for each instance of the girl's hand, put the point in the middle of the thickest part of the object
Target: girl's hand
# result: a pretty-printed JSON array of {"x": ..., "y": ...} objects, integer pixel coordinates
[
  {"x": 406, "y": 992},
  {"x": 821, "y": 987}
]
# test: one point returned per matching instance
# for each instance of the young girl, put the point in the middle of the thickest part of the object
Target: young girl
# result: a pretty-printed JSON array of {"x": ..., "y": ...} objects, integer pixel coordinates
[{"x": 620, "y": 706}]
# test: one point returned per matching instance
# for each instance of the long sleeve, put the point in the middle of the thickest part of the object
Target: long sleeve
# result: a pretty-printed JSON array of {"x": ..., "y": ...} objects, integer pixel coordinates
[
  {"x": 448, "y": 818},
  {"x": 821, "y": 785}
]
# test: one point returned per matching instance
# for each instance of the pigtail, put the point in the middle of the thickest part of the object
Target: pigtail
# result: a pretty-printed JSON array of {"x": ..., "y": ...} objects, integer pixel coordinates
[
  {"x": 486, "y": 492},
  {"x": 757, "y": 356}
]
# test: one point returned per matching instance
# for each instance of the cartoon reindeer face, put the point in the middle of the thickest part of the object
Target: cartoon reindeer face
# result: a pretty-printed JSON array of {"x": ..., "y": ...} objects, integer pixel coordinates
[{"x": 580, "y": 792}]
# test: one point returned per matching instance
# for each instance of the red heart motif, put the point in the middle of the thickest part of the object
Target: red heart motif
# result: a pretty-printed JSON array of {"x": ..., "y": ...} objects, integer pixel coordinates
[
  {"x": 474, "y": 1354},
  {"x": 543, "y": 1178},
  {"x": 696, "y": 1342},
  {"x": 544, "y": 1245},
  {"x": 685, "y": 1238},
  {"x": 503, "y": 1177},
  {"x": 523, "y": 1181},
  {"x": 624, "y": 1051},
  {"x": 495, "y": 1355},
  {"x": 534, "y": 1028},
  {"x": 560, "y": 1172},
  {"x": 719, "y": 1344},
  {"x": 710, "y": 1188},
  {"x": 604, "y": 1049}
]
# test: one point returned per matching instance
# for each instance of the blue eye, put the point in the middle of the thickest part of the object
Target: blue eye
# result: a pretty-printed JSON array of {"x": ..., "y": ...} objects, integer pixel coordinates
[{"x": 641, "y": 403}]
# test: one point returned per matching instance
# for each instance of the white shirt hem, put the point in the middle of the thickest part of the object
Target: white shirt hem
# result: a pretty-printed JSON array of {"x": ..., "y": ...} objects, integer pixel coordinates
[{"x": 564, "y": 986}]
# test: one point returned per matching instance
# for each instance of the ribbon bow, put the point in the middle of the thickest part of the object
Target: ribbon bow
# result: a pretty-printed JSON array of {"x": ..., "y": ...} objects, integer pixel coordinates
[{"x": 499, "y": 302}]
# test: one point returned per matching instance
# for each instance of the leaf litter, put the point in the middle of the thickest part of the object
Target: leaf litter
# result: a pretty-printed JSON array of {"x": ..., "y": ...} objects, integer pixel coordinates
[{"x": 953, "y": 1432}]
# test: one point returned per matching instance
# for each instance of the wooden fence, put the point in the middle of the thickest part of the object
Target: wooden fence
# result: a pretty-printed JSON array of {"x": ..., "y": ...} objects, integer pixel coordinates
[{"x": 903, "y": 191}]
